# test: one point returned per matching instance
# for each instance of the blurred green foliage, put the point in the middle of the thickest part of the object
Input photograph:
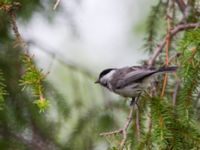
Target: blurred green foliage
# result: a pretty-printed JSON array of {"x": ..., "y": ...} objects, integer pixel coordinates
[
  {"x": 73, "y": 119},
  {"x": 20, "y": 118}
]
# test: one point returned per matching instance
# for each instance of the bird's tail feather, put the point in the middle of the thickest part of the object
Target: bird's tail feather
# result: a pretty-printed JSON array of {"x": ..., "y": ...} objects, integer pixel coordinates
[{"x": 168, "y": 69}]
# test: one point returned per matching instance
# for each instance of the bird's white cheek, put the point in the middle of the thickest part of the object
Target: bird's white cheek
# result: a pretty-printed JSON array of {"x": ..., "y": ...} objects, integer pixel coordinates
[{"x": 109, "y": 75}]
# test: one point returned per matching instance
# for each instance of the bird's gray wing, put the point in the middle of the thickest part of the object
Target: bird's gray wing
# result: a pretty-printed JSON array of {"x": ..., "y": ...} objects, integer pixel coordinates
[{"x": 136, "y": 75}]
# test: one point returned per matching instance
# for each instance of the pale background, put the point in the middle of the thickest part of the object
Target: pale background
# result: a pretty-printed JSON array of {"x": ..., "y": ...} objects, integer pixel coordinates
[{"x": 96, "y": 34}]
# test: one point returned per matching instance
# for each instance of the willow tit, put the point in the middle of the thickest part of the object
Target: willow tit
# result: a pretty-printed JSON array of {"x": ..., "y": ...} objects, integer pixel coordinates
[{"x": 129, "y": 81}]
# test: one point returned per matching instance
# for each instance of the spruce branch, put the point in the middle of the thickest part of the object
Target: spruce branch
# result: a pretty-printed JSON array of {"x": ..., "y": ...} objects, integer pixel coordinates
[
  {"x": 32, "y": 76},
  {"x": 146, "y": 139},
  {"x": 173, "y": 32},
  {"x": 189, "y": 71}
]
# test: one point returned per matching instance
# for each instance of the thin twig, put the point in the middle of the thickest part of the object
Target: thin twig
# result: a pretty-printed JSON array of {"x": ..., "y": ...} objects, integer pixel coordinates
[
  {"x": 123, "y": 130},
  {"x": 176, "y": 89},
  {"x": 182, "y": 6},
  {"x": 138, "y": 123},
  {"x": 129, "y": 119},
  {"x": 168, "y": 42},
  {"x": 111, "y": 132},
  {"x": 56, "y": 4},
  {"x": 62, "y": 61},
  {"x": 19, "y": 40},
  {"x": 164, "y": 85},
  {"x": 149, "y": 122},
  {"x": 173, "y": 32}
]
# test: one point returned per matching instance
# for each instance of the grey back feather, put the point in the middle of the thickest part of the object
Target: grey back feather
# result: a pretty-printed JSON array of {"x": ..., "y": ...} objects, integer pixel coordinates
[{"x": 128, "y": 75}]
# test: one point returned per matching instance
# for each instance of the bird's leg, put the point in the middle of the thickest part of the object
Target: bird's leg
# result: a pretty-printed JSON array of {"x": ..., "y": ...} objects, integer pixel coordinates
[{"x": 134, "y": 100}]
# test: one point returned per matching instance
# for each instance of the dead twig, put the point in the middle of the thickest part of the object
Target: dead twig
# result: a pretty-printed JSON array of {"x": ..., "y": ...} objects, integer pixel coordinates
[
  {"x": 123, "y": 130},
  {"x": 138, "y": 123},
  {"x": 168, "y": 43},
  {"x": 181, "y": 4},
  {"x": 173, "y": 32}
]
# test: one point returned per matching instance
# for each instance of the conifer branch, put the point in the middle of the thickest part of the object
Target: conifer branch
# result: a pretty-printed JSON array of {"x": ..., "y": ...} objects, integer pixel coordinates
[
  {"x": 32, "y": 76},
  {"x": 173, "y": 32}
]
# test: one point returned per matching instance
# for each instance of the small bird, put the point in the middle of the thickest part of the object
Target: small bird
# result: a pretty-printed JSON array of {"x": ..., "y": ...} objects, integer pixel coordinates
[{"x": 130, "y": 81}]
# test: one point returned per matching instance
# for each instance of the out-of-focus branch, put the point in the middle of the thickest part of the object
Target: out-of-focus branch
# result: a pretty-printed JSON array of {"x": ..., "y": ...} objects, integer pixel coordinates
[
  {"x": 32, "y": 144},
  {"x": 67, "y": 64},
  {"x": 56, "y": 4},
  {"x": 181, "y": 4},
  {"x": 173, "y": 32},
  {"x": 19, "y": 40},
  {"x": 8, "y": 7}
]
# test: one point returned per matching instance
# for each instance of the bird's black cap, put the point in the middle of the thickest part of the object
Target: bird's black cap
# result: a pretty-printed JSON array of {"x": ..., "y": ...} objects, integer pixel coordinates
[{"x": 104, "y": 72}]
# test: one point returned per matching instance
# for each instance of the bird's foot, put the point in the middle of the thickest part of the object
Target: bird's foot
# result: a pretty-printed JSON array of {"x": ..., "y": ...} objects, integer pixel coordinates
[{"x": 133, "y": 101}]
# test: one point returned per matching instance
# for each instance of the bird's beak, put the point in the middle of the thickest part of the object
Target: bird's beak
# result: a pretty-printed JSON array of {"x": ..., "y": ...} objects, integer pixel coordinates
[{"x": 96, "y": 82}]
